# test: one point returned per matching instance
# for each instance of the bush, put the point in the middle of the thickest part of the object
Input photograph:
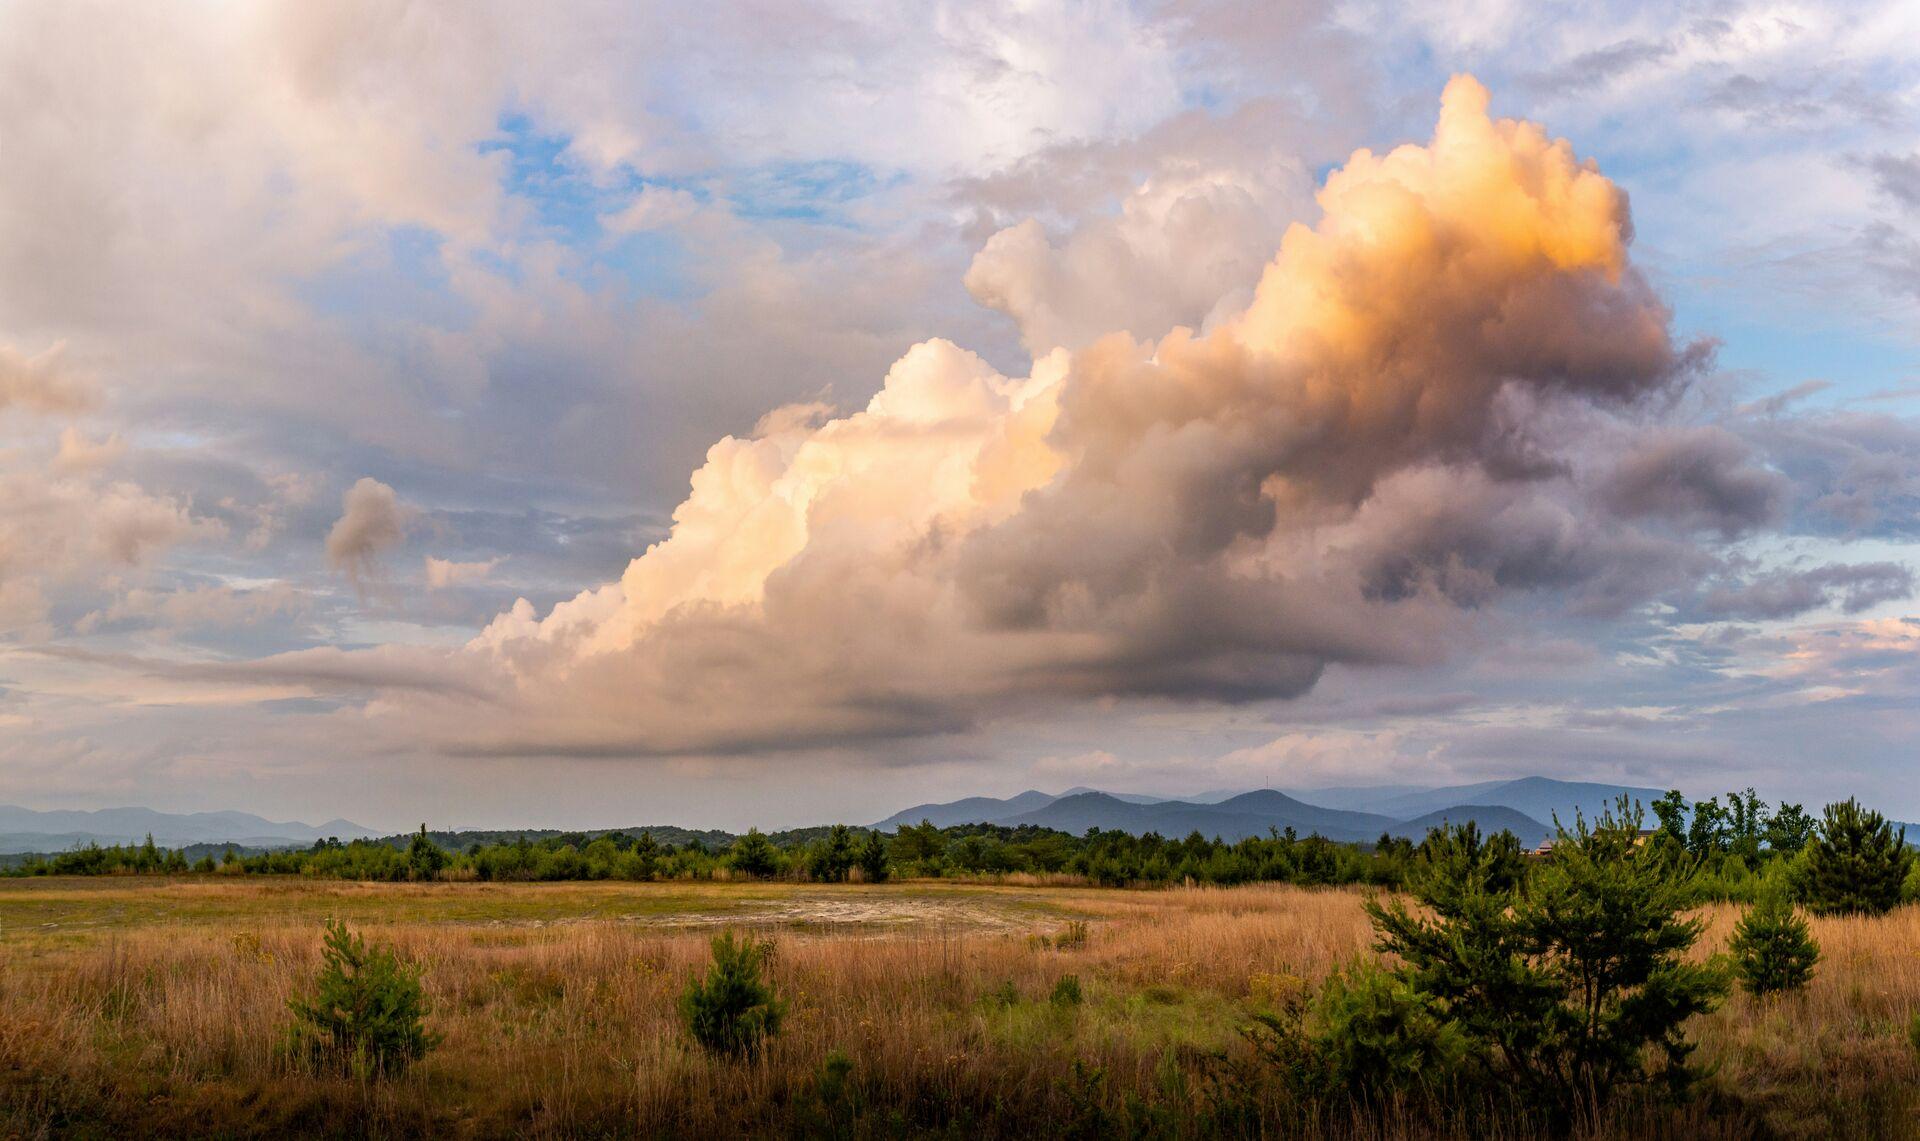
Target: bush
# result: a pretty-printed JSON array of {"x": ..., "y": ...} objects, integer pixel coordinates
[
  {"x": 1773, "y": 950},
  {"x": 367, "y": 1013},
  {"x": 1379, "y": 1036},
  {"x": 1066, "y": 991},
  {"x": 1856, "y": 865},
  {"x": 1560, "y": 987},
  {"x": 733, "y": 1010},
  {"x": 836, "y": 1105}
]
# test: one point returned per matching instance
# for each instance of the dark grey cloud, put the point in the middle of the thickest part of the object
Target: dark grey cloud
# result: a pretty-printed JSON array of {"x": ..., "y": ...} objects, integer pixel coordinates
[
  {"x": 1602, "y": 65},
  {"x": 1898, "y": 177},
  {"x": 1853, "y": 473},
  {"x": 1700, "y": 478},
  {"x": 1784, "y": 593},
  {"x": 1804, "y": 101}
]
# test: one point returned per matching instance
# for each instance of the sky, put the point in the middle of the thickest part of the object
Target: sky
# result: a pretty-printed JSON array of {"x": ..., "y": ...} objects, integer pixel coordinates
[{"x": 604, "y": 414}]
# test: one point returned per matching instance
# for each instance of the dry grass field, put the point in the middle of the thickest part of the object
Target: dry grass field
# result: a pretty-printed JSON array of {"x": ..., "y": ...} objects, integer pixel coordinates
[{"x": 133, "y": 1007}]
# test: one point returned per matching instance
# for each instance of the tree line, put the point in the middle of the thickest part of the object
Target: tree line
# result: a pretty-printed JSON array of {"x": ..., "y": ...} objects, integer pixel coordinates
[{"x": 1741, "y": 851}]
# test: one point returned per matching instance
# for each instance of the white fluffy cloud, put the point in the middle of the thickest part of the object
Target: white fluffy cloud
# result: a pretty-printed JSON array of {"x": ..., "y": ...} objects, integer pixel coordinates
[
  {"x": 1187, "y": 243},
  {"x": 1201, "y": 516}
]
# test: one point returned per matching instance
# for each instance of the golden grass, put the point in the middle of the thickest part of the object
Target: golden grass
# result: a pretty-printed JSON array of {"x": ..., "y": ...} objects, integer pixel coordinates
[{"x": 153, "y": 1007}]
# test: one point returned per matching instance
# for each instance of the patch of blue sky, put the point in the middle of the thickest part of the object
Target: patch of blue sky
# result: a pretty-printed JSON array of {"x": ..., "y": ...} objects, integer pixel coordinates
[
  {"x": 568, "y": 205},
  {"x": 1206, "y": 97},
  {"x": 819, "y": 192},
  {"x": 652, "y": 263},
  {"x": 1784, "y": 353}
]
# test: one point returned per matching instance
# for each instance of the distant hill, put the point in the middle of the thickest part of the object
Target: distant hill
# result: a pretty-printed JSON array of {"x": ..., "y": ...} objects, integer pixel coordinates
[
  {"x": 972, "y": 810},
  {"x": 1490, "y": 818},
  {"x": 1537, "y": 797},
  {"x": 25, "y": 830},
  {"x": 1231, "y": 816},
  {"x": 989, "y": 809}
]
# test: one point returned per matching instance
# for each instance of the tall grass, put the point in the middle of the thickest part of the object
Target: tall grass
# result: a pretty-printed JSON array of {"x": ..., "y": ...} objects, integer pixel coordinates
[{"x": 171, "y": 1020}]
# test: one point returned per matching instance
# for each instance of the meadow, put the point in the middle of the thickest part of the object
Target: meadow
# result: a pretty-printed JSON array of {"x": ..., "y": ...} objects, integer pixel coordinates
[{"x": 158, "y": 1006}]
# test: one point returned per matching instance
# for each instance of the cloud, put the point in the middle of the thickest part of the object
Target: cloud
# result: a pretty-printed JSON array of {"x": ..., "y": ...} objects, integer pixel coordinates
[
  {"x": 1852, "y": 473},
  {"x": 1183, "y": 518},
  {"x": 1701, "y": 478},
  {"x": 1898, "y": 177},
  {"x": 1188, "y": 241},
  {"x": 444, "y": 573},
  {"x": 78, "y": 454},
  {"x": 654, "y": 208},
  {"x": 40, "y": 383},
  {"x": 1784, "y": 593},
  {"x": 196, "y": 607},
  {"x": 63, "y": 532},
  {"x": 372, "y": 520},
  {"x": 1598, "y": 67}
]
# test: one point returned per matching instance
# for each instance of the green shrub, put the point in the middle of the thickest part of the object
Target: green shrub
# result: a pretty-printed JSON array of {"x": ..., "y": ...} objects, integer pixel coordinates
[
  {"x": 1913, "y": 1032},
  {"x": 1377, "y": 1035},
  {"x": 1773, "y": 949},
  {"x": 367, "y": 1012},
  {"x": 733, "y": 1010},
  {"x": 1857, "y": 864},
  {"x": 836, "y": 1106},
  {"x": 1066, "y": 991}
]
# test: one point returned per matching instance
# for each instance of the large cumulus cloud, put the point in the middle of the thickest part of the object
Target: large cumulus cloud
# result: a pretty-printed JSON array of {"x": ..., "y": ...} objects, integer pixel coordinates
[{"x": 1346, "y": 470}]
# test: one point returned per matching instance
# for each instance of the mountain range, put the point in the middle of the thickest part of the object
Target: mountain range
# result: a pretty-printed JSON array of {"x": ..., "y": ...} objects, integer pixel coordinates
[
  {"x": 1526, "y": 807},
  {"x": 25, "y": 830}
]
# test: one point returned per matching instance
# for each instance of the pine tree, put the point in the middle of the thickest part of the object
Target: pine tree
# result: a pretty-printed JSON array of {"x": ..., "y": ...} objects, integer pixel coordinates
[
  {"x": 833, "y": 856},
  {"x": 367, "y": 1012},
  {"x": 1563, "y": 984},
  {"x": 1856, "y": 865},
  {"x": 733, "y": 1010},
  {"x": 1773, "y": 948},
  {"x": 424, "y": 857},
  {"x": 873, "y": 858}
]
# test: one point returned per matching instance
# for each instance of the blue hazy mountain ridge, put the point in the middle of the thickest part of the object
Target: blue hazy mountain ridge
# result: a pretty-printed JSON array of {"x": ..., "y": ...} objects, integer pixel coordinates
[
  {"x": 1489, "y": 818},
  {"x": 27, "y": 830},
  {"x": 1234, "y": 817},
  {"x": 1526, "y": 806},
  {"x": 1538, "y": 797},
  {"x": 971, "y": 810}
]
